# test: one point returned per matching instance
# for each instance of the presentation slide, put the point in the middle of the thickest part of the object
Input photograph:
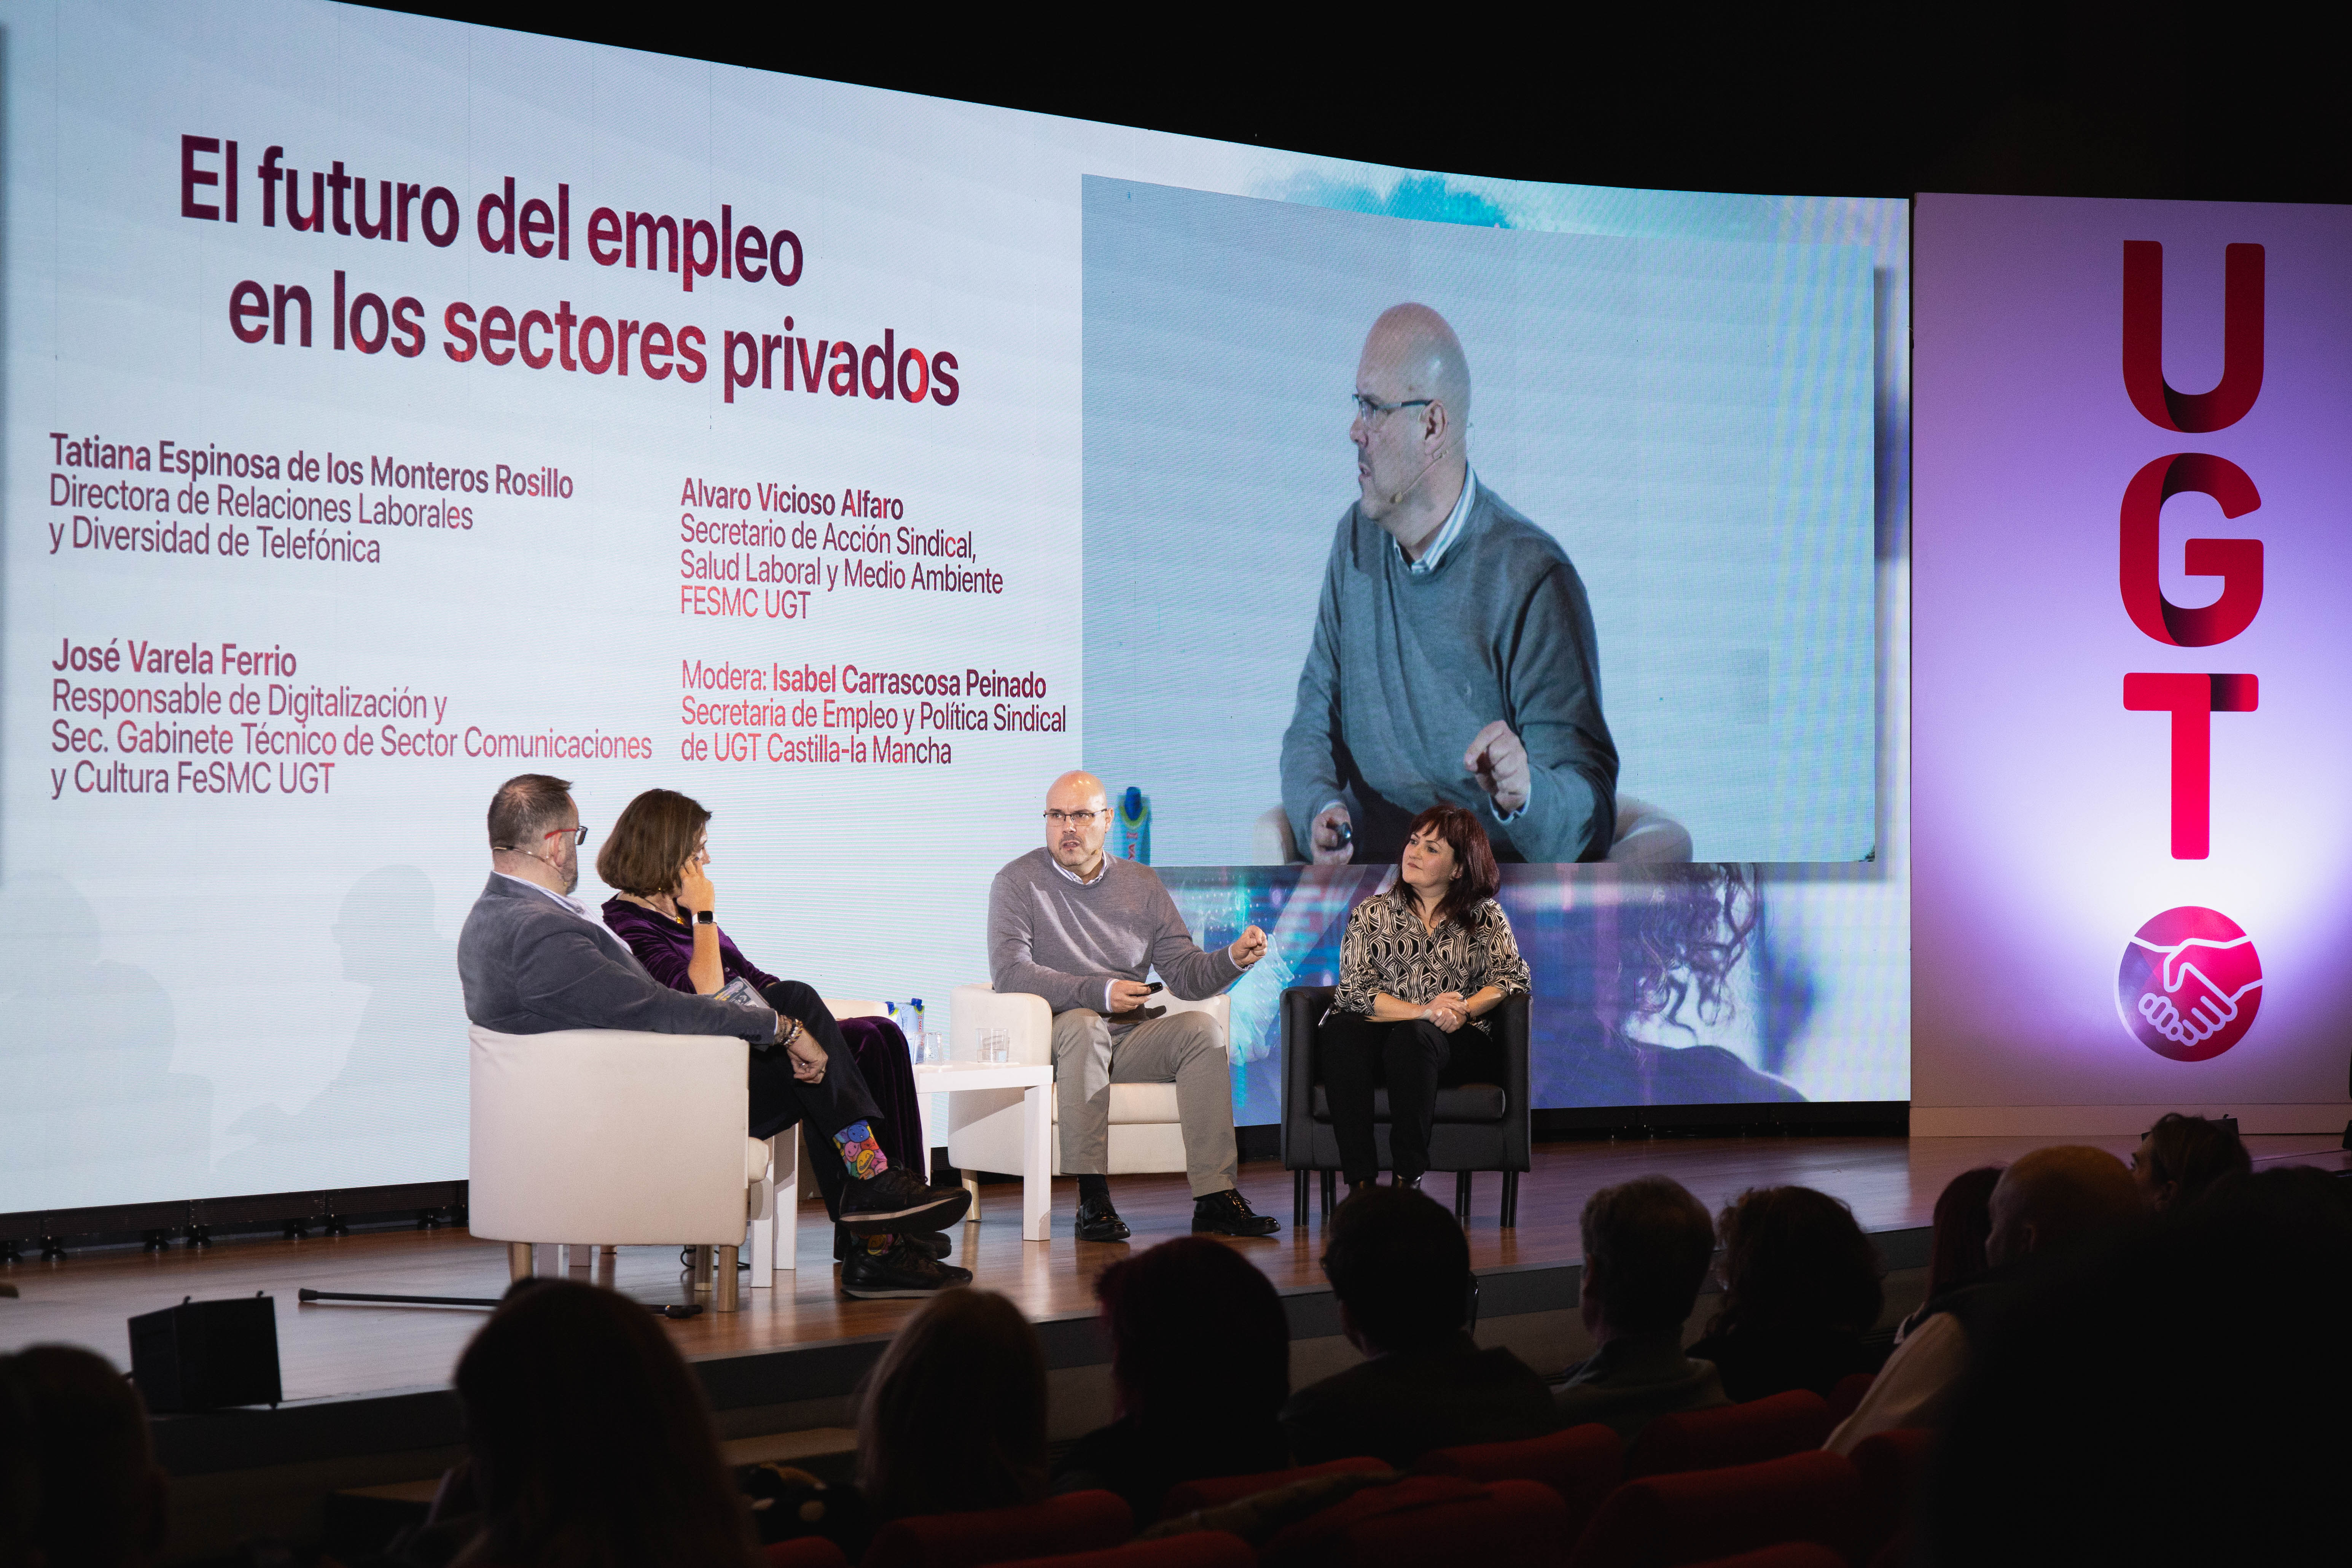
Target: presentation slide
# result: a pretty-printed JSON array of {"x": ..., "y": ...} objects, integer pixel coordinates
[{"x": 394, "y": 407}]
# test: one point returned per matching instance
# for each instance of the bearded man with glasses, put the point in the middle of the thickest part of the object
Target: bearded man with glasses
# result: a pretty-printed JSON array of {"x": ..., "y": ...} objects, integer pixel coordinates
[
  {"x": 1453, "y": 658},
  {"x": 533, "y": 960},
  {"x": 1081, "y": 929}
]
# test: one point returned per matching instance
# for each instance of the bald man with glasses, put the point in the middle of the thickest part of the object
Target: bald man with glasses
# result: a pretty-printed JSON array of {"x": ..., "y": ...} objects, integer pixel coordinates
[
  {"x": 1081, "y": 929},
  {"x": 1454, "y": 656}
]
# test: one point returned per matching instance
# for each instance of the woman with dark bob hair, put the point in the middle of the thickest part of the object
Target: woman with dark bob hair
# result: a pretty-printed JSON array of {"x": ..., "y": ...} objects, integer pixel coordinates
[
  {"x": 1420, "y": 968},
  {"x": 1801, "y": 1287},
  {"x": 658, "y": 857},
  {"x": 590, "y": 1442}
]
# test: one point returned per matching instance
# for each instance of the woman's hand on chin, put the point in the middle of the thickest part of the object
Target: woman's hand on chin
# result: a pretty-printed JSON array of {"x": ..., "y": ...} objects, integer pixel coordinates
[{"x": 694, "y": 889}]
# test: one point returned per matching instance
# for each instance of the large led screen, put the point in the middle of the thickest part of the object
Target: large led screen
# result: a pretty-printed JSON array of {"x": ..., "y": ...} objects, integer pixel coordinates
[{"x": 855, "y": 463}]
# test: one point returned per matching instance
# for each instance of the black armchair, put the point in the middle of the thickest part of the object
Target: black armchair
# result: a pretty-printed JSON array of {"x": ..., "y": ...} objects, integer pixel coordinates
[{"x": 1477, "y": 1127}]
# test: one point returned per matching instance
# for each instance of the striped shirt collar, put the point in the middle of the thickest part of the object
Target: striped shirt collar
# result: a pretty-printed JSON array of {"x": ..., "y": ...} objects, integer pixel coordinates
[
  {"x": 1456, "y": 521},
  {"x": 1067, "y": 875}
]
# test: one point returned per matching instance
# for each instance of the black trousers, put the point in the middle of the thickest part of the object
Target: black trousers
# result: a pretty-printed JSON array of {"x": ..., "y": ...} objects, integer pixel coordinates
[
  {"x": 780, "y": 1101},
  {"x": 1413, "y": 1059}
]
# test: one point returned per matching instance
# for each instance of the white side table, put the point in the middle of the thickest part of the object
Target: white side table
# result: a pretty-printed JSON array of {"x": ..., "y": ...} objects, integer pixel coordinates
[{"x": 1036, "y": 1125}]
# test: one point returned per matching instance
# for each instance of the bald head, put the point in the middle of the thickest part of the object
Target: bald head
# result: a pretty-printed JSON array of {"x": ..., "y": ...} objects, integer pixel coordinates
[
  {"x": 2059, "y": 1197},
  {"x": 1413, "y": 416},
  {"x": 1413, "y": 344},
  {"x": 1076, "y": 817}
]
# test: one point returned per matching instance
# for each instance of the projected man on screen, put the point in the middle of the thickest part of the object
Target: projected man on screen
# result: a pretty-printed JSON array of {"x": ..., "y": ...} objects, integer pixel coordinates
[{"x": 1453, "y": 655}]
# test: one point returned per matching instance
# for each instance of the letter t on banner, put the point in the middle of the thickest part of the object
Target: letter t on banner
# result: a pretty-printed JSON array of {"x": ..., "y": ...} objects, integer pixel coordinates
[{"x": 2193, "y": 700}]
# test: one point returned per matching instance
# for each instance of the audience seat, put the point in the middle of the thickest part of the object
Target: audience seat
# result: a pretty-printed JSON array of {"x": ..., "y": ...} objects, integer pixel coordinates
[
  {"x": 1583, "y": 1464},
  {"x": 808, "y": 1551},
  {"x": 1668, "y": 1520},
  {"x": 1731, "y": 1435},
  {"x": 1215, "y": 1491},
  {"x": 1433, "y": 1519},
  {"x": 1787, "y": 1554},
  {"x": 1846, "y": 1398},
  {"x": 1197, "y": 1549},
  {"x": 1079, "y": 1521},
  {"x": 1891, "y": 1465}
]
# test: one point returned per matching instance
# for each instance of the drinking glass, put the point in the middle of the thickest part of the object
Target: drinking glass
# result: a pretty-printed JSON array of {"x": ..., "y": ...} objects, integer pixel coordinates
[{"x": 995, "y": 1046}]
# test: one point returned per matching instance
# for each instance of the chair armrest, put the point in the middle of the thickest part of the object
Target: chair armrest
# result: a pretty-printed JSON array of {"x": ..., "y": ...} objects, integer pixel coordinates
[
  {"x": 854, "y": 1008},
  {"x": 1512, "y": 1030},
  {"x": 1302, "y": 1008},
  {"x": 1220, "y": 1008},
  {"x": 1021, "y": 1013}
]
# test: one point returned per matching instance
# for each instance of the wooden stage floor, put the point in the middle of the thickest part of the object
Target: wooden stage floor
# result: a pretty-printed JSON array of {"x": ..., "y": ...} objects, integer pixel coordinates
[{"x": 340, "y": 1350}]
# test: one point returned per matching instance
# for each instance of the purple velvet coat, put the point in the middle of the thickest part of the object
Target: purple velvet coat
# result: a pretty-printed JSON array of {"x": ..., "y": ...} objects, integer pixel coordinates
[{"x": 666, "y": 947}]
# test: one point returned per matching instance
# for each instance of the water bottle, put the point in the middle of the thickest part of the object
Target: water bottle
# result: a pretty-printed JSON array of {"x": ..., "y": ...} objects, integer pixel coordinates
[
  {"x": 1132, "y": 819},
  {"x": 910, "y": 1023}
]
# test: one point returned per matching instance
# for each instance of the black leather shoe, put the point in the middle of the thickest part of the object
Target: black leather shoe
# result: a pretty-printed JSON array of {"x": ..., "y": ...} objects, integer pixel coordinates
[
  {"x": 1100, "y": 1222},
  {"x": 1229, "y": 1214},
  {"x": 895, "y": 1201},
  {"x": 900, "y": 1273},
  {"x": 932, "y": 1243}
]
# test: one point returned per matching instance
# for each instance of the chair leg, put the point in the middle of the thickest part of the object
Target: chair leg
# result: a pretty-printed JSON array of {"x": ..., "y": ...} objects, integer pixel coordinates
[
  {"x": 1331, "y": 1191},
  {"x": 728, "y": 1297},
  {"x": 699, "y": 1274},
  {"x": 971, "y": 1186},
  {"x": 1462, "y": 1196},
  {"x": 1510, "y": 1200},
  {"x": 1299, "y": 1200},
  {"x": 517, "y": 1261}
]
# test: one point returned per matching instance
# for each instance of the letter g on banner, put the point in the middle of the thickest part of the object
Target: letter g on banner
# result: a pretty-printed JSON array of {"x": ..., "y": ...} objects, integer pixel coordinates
[{"x": 2237, "y": 562}]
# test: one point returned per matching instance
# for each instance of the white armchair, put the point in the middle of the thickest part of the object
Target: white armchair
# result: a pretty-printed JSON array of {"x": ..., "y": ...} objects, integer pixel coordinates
[
  {"x": 666, "y": 1124},
  {"x": 984, "y": 1126},
  {"x": 613, "y": 1137}
]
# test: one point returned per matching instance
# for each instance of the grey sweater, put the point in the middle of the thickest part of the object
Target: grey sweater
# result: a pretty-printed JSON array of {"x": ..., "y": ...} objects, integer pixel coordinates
[
  {"x": 1405, "y": 670},
  {"x": 1067, "y": 941}
]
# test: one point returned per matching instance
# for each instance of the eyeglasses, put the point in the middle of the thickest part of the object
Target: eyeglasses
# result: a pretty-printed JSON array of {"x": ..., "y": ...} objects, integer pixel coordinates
[
  {"x": 578, "y": 834},
  {"x": 1074, "y": 818},
  {"x": 1370, "y": 409}
]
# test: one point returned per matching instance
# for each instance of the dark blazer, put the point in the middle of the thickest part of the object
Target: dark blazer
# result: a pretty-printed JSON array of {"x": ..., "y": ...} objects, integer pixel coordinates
[{"x": 530, "y": 968}]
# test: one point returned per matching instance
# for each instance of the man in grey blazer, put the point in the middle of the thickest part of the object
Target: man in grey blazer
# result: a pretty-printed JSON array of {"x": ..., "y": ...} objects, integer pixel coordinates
[{"x": 532, "y": 960}]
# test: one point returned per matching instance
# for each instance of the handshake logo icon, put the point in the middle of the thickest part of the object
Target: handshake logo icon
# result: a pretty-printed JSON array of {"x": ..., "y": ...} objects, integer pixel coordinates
[{"x": 2190, "y": 985}]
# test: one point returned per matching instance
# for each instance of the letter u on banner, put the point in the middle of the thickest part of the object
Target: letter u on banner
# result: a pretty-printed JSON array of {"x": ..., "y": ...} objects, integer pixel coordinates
[
  {"x": 2242, "y": 341},
  {"x": 2237, "y": 562}
]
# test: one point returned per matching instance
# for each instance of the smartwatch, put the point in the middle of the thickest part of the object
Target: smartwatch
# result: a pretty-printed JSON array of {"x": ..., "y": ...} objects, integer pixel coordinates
[{"x": 706, "y": 917}]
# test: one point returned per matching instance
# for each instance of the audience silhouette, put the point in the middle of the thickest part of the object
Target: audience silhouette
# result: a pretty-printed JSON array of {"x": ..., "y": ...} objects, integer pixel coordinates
[
  {"x": 76, "y": 1458},
  {"x": 2175, "y": 1397},
  {"x": 1646, "y": 1246},
  {"x": 1801, "y": 1289},
  {"x": 1956, "y": 1254},
  {"x": 1400, "y": 1268},
  {"x": 1200, "y": 1362},
  {"x": 590, "y": 1442}
]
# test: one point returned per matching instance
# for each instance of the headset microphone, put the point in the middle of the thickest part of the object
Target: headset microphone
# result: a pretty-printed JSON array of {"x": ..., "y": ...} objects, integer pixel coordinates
[{"x": 1398, "y": 498}]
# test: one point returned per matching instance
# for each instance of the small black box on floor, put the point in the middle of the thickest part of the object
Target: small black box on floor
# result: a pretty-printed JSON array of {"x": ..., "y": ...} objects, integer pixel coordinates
[{"x": 202, "y": 1355}]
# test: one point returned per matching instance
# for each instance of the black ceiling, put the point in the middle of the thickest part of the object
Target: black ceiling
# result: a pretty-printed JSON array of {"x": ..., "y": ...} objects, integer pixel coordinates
[{"x": 2160, "y": 100}]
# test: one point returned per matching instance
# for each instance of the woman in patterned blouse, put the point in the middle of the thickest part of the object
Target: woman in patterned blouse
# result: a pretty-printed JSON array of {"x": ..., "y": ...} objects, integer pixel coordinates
[{"x": 1420, "y": 968}]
